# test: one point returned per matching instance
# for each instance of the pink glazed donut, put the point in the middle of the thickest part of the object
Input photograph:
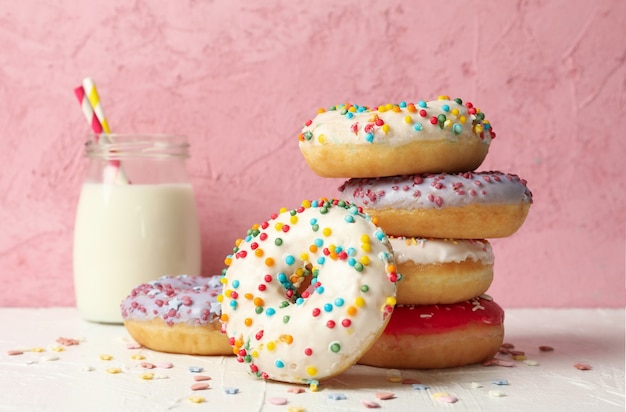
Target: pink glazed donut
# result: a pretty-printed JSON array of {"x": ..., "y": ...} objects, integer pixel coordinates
[
  {"x": 470, "y": 205},
  {"x": 177, "y": 315}
]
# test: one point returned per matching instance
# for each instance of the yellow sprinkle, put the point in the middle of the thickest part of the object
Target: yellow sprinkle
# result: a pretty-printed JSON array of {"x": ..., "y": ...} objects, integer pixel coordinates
[
  {"x": 306, "y": 204},
  {"x": 352, "y": 109},
  {"x": 269, "y": 262},
  {"x": 238, "y": 343},
  {"x": 293, "y": 220},
  {"x": 440, "y": 395},
  {"x": 385, "y": 128},
  {"x": 295, "y": 408},
  {"x": 462, "y": 119},
  {"x": 282, "y": 210},
  {"x": 238, "y": 242},
  {"x": 57, "y": 349},
  {"x": 408, "y": 120},
  {"x": 138, "y": 357},
  {"x": 320, "y": 110},
  {"x": 227, "y": 293},
  {"x": 478, "y": 129},
  {"x": 37, "y": 349},
  {"x": 228, "y": 261},
  {"x": 314, "y": 387},
  {"x": 447, "y": 124},
  {"x": 454, "y": 112},
  {"x": 327, "y": 231},
  {"x": 443, "y": 97},
  {"x": 255, "y": 354},
  {"x": 311, "y": 371},
  {"x": 223, "y": 281},
  {"x": 366, "y": 247},
  {"x": 197, "y": 399},
  {"x": 391, "y": 301},
  {"x": 113, "y": 370},
  {"x": 304, "y": 256},
  {"x": 360, "y": 302},
  {"x": 271, "y": 346},
  {"x": 382, "y": 109},
  {"x": 394, "y": 379},
  {"x": 519, "y": 357},
  {"x": 105, "y": 356},
  {"x": 247, "y": 322},
  {"x": 365, "y": 260},
  {"x": 148, "y": 376},
  {"x": 322, "y": 139},
  {"x": 248, "y": 296},
  {"x": 278, "y": 226},
  {"x": 365, "y": 238},
  {"x": 220, "y": 298},
  {"x": 258, "y": 252}
]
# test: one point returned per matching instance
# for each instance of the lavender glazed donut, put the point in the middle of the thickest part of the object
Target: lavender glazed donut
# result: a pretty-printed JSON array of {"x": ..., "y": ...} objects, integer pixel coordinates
[
  {"x": 466, "y": 205},
  {"x": 177, "y": 315},
  {"x": 442, "y": 135},
  {"x": 441, "y": 271},
  {"x": 439, "y": 336}
]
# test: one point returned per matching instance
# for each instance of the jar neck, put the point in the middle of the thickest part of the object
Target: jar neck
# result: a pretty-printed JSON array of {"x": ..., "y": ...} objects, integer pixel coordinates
[{"x": 124, "y": 146}]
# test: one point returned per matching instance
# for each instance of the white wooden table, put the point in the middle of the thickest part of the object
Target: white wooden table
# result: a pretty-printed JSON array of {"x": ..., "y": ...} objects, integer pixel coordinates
[{"x": 80, "y": 378}]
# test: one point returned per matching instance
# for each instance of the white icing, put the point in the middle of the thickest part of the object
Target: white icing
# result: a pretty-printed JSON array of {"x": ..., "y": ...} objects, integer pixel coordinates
[
  {"x": 358, "y": 302},
  {"x": 431, "y": 251},
  {"x": 436, "y": 190},
  {"x": 402, "y": 125}
]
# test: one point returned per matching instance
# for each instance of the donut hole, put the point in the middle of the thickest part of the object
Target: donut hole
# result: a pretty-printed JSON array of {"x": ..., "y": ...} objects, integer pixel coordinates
[{"x": 300, "y": 285}]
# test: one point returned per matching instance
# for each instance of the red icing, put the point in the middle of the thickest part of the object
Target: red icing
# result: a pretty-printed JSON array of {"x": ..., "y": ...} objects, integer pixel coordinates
[{"x": 426, "y": 319}]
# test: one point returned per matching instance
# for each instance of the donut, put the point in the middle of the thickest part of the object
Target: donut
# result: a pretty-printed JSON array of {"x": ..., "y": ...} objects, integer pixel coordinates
[
  {"x": 177, "y": 315},
  {"x": 439, "y": 336},
  {"x": 469, "y": 205},
  {"x": 308, "y": 291},
  {"x": 441, "y": 271},
  {"x": 442, "y": 135}
]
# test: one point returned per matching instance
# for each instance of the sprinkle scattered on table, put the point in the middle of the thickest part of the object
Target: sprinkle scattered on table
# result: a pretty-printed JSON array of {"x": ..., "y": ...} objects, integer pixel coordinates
[
  {"x": 277, "y": 400},
  {"x": 295, "y": 389},
  {"x": 67, "y": 341},
  {"x": 196, "y": 369},
  {"x": 419, "y": 386},
  {"x": 200, "y": 386},
  {"x": 582, "y": 366},
  {"x": 544, "y": 348},
  {"x": 500, "y": 382},
  {"x": 385, "y": 395},
  {"x": 200, "y": 378},
  {"x": 496, "y": 393},
  {"x": 370, "y": 404},
  {"x": 336, "y": 396},
  {"x": 15, "y": 352},
  {"x": 106, "y": 357},
  {"x": 196, "y": 399},
  {"x": 445, "y": 397},
  {"x": 231, "y": 391}
]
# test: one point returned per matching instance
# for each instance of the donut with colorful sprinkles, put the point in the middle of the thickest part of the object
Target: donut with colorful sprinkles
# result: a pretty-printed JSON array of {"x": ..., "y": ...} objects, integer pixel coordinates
[
  {"x": 443, "y": 135},
  {"x": 308, "y": 291},
  {"x": 470, "y": 205},
  {"x": 177, "y": 314},
  {"x": 439, "y": 336}
]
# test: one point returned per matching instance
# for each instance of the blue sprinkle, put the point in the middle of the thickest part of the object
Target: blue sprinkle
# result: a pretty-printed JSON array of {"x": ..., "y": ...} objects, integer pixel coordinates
[
  {"x": 339, "y": 302},
  {"x": 318, "y": 242},
  {"x": 422, "y": 104},
  {"x": 351, "y": 261},
  {"x": 196, "y": 369},
  {"x": 349, "y": 218},
  {"x": 457, "y": 128},
  {"x": 290, "y": 260},
  {"x": 282, "y": 278},
  {"x": 351, "y": 251},
  {"x": 299, "y": 301},
  {"x": 380, "y": 235},
  {"x": 417, "y": 126},
  {"x": 487, "y": 126},
  {"x": 319, "y": 289},
  {"x": 328, "y": 307},
  {"x": 233, "y": 303},
  {"x": 279, "y": 363},
  {"x": 314, "y": 203},
  {"x": 231, "y": 391},
  {"x": 321, "y": 260},
  {"x": 349, "y": 115},
  {"x": 369, "y": 137},
  {"x": 445, "y": 108},
  {"x": 270, "y": 311},
  {"x": 419, "y": 386},
  {"x": 337, "y": 396},
  {"x": 402, "y": 104},
  {"x": 313, "y": 221},
  {"x": 500, "y": 382},
  {"x": 235, "y": 283}
]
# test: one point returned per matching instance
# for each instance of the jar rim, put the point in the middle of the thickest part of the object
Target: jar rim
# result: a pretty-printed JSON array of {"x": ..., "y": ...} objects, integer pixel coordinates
[{"x": 120, "y": 145}]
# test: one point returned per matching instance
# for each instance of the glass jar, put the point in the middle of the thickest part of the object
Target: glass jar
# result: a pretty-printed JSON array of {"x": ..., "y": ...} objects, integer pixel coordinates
[{"x": 136, "y": 220}]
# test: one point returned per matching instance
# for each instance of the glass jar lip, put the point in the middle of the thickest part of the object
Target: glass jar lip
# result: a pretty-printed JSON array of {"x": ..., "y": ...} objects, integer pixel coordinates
[{"x": 124, "y": 145}]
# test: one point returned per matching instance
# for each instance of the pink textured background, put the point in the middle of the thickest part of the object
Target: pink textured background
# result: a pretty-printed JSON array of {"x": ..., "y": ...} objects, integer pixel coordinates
[{"x": 241, "y": 78}]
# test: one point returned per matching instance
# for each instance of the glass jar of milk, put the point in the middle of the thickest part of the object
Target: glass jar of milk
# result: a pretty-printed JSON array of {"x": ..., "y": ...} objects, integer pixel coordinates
[{"x": 136, "y": 220}]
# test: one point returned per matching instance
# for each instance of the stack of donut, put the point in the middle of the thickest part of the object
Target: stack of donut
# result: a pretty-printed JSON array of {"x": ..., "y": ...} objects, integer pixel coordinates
[{"x": 411, "y": 168}]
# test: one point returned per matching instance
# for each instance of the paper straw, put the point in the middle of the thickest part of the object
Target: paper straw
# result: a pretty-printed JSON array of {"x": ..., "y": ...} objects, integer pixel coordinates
[
  {"x": 94, "y": 99},
  {"x": 113, "y": 171}
]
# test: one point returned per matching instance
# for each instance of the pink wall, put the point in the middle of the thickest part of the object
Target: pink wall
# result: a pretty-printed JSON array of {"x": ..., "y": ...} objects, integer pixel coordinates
[{"x": 240, "y": 80}]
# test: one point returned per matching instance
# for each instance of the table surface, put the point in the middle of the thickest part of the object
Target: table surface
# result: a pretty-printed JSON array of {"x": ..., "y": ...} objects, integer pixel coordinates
[{"x": 48, "y": 376}]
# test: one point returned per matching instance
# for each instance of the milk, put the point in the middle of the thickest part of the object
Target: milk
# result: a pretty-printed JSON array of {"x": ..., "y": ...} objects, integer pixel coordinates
[{"x": 126, "y": 235}]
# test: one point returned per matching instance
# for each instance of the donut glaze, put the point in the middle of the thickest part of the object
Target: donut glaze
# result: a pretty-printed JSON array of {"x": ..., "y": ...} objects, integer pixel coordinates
[
  {"x": 470, "y": 205},
  {"x": 177, "y": 314},
  {"x": 307, "y": 292},
  {"x": 439, "y": 336},
  {"x": 441, "y": 271},
  {"x": 428, "y": 136}
]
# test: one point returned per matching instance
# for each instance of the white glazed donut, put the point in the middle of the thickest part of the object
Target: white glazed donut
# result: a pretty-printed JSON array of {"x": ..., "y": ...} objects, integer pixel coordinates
[
  {"x": 307, "y": 292},
  {"x": 479, "y": 205},
  {"x": 441, "y": 271},
  {"x": 177, "y": 314},
  {"x": 443, "y": 135}
]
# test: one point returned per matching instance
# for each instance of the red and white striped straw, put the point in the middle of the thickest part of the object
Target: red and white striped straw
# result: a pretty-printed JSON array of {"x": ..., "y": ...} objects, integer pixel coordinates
[{"x": 95, "y": 121}]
